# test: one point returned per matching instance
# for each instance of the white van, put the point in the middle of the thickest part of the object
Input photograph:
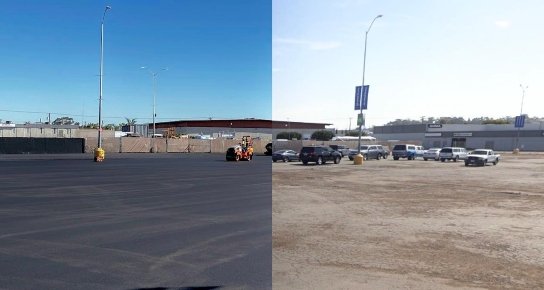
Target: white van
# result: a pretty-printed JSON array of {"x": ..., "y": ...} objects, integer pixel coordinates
[{"x": 453, "y": 153}]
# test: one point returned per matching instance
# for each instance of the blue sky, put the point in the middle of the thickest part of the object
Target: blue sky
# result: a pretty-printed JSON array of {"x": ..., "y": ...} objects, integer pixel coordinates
[
  {"x": 424, "y": 58},
  {"x": 218, "y": 55}
]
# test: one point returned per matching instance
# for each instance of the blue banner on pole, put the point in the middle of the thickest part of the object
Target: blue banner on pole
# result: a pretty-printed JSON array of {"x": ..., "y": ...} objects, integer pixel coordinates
[
  {"x": 364, "y": 101},
  {"x": 520, "y": 121},
  {"x": 358, "y": 98}
]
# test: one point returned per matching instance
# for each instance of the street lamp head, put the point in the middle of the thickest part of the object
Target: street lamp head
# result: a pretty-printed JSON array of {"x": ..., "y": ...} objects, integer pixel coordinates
[
  {"x": 108, "y": 8},
  {"x": 379, "y": 16}
]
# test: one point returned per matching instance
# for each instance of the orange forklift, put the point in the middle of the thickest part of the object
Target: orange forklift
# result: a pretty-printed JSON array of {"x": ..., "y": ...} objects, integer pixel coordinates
[{"x": 242, "y": 151}]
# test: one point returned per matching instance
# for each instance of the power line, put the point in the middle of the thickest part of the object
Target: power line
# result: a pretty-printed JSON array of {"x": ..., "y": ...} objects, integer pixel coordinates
[{"x": 115, "y": 117}]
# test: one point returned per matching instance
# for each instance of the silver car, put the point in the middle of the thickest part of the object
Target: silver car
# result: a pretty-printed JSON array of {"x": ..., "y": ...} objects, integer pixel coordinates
[{"x": 432, "y": 153}]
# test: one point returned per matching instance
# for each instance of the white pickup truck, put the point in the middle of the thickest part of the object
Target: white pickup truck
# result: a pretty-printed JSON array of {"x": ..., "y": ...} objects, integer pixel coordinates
[{"x": 481, "y": 157}]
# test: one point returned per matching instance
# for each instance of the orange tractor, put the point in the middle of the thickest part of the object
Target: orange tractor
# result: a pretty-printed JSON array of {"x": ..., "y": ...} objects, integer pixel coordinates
[{"x": 242, "y": 151}]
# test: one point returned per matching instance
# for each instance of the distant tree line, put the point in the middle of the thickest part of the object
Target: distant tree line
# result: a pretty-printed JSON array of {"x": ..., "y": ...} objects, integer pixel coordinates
[
  {"x": 461, "y": 120},
  {"x": 289, "y": 135}
]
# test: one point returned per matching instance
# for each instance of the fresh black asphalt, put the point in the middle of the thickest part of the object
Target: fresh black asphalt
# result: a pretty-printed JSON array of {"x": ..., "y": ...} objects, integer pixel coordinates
[{"x": 135, "y": 221}]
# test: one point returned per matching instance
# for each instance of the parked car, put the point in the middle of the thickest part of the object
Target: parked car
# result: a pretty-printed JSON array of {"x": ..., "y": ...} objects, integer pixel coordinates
[
  {"x": 432, "y": 153},
  {"x": 453, "y": 153},
  {"x": 319, "y": 155},
  {"x": 285, "y": 155},
  {"x": 268, "y": 148},
  {"x": 343, "y": 149},
  {"x": 481, "y": 157},
  {"x": 419, "y": 151},
  {"x": 370, "y": 152},
  {"x": 407, "y": 151}
]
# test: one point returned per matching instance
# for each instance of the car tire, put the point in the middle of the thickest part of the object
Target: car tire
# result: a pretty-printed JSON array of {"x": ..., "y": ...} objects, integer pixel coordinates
[
  {"x": 285, "y": 159},
  {"x": 305, "y": 162},
  {"x": 395, "y": 158},
  {"x": 442, "y": 159},
  {"x": 336, "y": 160},
  {"x": 274, "y": 160},
  {"x": 424, "y": 158},
  {"x": 379, "y": 156},
  {"x": 365, "y": 157},
  {"x": 466, "y": 164},
  {"x": 319, "y": 160},
  {"x": 496, "y": 161},
  {"x": 455, "y": 158}
]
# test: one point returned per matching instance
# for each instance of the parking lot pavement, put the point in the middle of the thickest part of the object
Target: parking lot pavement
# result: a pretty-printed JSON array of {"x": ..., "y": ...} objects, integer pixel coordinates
[
  {"x": 409, "y": 224},
  {"x": 169, "y": 220}
]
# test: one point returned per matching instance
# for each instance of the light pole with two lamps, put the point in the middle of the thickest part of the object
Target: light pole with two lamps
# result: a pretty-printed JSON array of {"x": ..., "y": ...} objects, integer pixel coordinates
[
  {"x": 359, "y": 157},
  {"x": 154, "y": 80}
]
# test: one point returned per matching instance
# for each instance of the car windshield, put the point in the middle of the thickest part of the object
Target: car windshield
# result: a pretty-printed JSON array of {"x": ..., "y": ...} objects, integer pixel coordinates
[
  {"x": 399, "y": 147},
  {"x": 479, "y": 152},
  {"x": 364, "y": 147},
  {"x": 446, "y": 150},
  {"x": 280, "y": 151}
]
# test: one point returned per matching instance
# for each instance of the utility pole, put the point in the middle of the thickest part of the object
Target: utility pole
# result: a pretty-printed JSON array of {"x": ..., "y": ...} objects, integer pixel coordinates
[{"x": 523, "y": 88}]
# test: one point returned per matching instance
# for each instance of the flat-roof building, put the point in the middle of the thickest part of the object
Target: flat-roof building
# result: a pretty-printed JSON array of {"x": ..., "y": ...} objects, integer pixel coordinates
[{"x": 504, "y": 137}]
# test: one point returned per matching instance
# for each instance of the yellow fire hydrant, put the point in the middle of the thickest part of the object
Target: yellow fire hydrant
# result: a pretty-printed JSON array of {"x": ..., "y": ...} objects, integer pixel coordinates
[
  {"x": 358, "y": 159},
  {"x": 99, "y": 155}
]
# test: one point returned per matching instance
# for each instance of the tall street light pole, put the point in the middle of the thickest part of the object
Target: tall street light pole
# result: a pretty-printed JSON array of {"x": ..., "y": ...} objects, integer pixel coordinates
[
  {"x": 101, "y": 76},
  {"x": 523, "y": 88},
  {"x": 363, "y": 85},
  {"x": 154, "y": 80}
]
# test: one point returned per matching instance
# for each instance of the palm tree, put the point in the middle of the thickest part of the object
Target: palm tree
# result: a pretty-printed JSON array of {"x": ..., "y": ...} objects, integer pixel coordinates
[{"x": 130, "y": 121}]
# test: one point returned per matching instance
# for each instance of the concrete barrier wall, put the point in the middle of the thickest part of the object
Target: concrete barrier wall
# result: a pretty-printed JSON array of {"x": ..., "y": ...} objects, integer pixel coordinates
[
  {"x": 161, "y": 145},
  {"x": 130, "y": 144}
]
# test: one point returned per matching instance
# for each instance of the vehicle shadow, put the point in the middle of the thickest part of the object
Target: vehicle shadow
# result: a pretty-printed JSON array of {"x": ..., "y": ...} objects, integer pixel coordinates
[{"x": 311, "y": 164}]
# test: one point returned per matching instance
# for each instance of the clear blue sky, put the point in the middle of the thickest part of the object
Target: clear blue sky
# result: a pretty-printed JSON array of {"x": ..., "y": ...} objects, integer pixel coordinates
[
  {"x": 218, "y": 55},
  {"x": 424, "y": 58}
]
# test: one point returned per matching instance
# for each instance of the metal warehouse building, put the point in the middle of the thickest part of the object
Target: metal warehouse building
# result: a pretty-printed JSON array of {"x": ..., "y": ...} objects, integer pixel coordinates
[
  {"x": 255, "y": 127},
  {"x": 497, "y": 137}
]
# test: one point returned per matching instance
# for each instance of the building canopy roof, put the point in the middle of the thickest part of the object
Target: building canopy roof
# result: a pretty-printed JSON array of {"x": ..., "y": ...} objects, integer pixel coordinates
[{"x": 243, "y": 123}]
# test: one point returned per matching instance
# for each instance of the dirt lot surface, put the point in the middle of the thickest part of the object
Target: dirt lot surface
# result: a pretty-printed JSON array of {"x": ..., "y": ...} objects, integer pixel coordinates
[{"x": 409, "y": 225}]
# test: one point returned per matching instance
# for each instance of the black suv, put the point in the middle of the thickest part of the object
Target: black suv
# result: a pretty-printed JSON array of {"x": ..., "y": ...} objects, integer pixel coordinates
[{"x": 319, "y": 155}]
